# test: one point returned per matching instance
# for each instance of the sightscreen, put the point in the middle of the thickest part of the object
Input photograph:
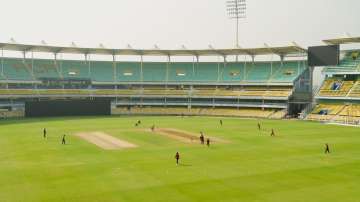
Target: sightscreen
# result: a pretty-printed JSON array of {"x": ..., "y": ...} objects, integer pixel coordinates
[
  {"x": 67, "y": 108},
  {"x": 323, "y": 55}
]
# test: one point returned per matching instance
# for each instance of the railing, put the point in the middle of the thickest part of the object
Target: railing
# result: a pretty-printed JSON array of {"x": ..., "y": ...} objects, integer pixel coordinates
[{"x": 149, "y": 92}]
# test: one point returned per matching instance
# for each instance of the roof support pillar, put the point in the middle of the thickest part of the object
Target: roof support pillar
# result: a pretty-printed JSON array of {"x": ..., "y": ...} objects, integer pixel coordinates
[
  {"x": 32, "y": 62},
  {"x": 87, "y": 61},
  {"x": 56, "y": 64},
  {"x": 193, "y": 65},
  {"x": 225, "y": 64},
  {"x": 282, "y": 60},
  {"x": 141, "y": 69},
  {"x": 197, "y": 62},
  {"x": 271, "y": 66},
  {"x": 167, "y": 70},
  {"x": 114, "y": 69},
  {"x": 2, "y": 61},
  {"x": 61, "y": 63},
  {"x": 244, "y": 73}
]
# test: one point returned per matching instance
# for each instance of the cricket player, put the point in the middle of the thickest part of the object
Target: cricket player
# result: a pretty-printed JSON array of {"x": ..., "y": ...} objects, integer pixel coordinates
[
  {"x": 44, "y": 133},
  {"x": 327, "y": 148},
  {"x": 272, "y": 133},
  {"x": 177, "y": 157}
]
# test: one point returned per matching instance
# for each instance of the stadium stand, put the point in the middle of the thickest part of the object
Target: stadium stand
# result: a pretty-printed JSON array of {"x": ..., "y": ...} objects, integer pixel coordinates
[
  {"x": 191, "y": 81},
  {"x": 74, "y": 69},
  {"x": 336, "y": 88},
  {"x": 337, "y": 112},
  {"x": 103, "y": 71},
  {"x": 11, "y": 114},
  {"x": 349, "y": 64},
  {"x": 338, "y": 96},
  {"x": 228, "y": 88},
  {"x": 16, "y": 69},
  {"x": 128, "y": 71},
  {"x": 44, "y": 68}
]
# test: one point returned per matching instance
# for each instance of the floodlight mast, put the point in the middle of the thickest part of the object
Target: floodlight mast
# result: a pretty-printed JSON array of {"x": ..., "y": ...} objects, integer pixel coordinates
[{"x": 236, "y": 10}]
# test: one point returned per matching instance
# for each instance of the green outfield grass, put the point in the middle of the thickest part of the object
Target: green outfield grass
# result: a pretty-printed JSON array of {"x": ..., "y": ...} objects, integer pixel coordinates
[{"x": 252, "y": 166}]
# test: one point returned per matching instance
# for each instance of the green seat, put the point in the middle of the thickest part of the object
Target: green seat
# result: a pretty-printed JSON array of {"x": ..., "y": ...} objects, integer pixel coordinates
[
  {"x": 44, "y": 68},
  {"x": 181, "y": 72},
  {"x": 154, "y": 71},
  {"x": 102, "y": 71},
  {"x": 74, "y": 69},
  {"x": 17, "y": 69},
  {"x": 128, "y": 72},
  {"x": 206, "y": 72},
  {"x": 232, "y": 72},
  {"x": 258, "y": 72}
]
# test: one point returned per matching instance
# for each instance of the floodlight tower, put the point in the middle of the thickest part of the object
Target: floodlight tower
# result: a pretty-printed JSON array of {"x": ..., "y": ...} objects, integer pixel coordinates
[{"x": 236, "y": 10}]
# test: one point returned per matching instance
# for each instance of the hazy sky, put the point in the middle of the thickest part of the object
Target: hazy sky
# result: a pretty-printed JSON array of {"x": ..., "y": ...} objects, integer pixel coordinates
[{"x": 172, "y": 23}]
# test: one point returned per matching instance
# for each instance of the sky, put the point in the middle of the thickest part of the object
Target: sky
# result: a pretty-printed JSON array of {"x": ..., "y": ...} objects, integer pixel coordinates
[{"x": 172, "y": 23}]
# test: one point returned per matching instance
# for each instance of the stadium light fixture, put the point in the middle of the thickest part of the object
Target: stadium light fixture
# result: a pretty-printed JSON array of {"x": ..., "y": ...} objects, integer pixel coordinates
[
  {"x": 347, "y": 35},
  {"x": 236, "y": 10},
  {"x": 102, "y": 46},
  {"x": 129, "y": 46},
  {"x": 156, "y": 47},
  {"x": 12, "y": 40}
]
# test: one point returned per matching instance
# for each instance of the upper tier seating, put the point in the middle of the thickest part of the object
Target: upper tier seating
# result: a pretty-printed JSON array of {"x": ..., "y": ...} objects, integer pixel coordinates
[
  {"x": 74, "y": 69},
  {"x": 181, "y": 71},
  {"x": 128, "y": 71},
  {"x": 44, "y": 68},
  {"x": 232, "y": 72},
  {"x": 101, "y": 71},
  {"x": 258, "y": 72},
  {"x": 289, "y": 71},
  {"x": 206, "y": 72},
  {"x": 350, "y": 63},
  {"x": 106, "y": 71},
  {"x": 17, "y": 69},
  {"x": 154, "y": 72}
]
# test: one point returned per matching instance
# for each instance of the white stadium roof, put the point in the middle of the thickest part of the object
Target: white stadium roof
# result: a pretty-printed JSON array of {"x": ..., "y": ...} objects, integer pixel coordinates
[
  {"x": 284, "y": 50},
  {"x": 339, "y": 41}
]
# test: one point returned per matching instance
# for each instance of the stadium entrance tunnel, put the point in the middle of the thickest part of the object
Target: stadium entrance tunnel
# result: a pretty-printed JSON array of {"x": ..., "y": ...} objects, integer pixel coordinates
[{"x": 49, "y": 108}]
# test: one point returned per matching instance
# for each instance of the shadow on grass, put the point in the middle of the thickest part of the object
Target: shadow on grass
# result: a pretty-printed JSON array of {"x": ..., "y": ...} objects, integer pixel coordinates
[{"x": 185, "y": 165}]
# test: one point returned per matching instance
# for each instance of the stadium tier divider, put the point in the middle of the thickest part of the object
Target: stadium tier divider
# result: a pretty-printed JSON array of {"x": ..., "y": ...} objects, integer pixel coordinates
[{"x": 194, "y": 111}]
